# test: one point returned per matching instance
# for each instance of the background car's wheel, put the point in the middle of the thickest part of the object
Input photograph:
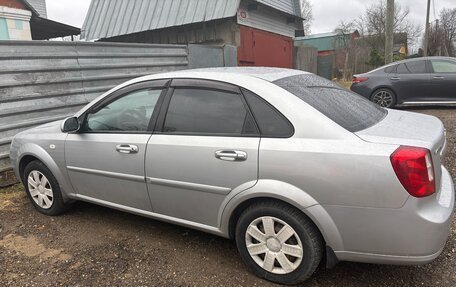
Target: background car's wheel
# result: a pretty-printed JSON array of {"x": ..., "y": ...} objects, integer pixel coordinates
[
  {"x": 278, "y": 242},
  {"x": 43, "y": 189},
  {"x": 384, "y": 98}
]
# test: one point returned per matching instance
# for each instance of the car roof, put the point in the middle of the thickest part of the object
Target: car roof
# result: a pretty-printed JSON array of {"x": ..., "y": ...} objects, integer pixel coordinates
[
  {"x": 412, "y": 60},
  {"x": 264, "y": 73}
]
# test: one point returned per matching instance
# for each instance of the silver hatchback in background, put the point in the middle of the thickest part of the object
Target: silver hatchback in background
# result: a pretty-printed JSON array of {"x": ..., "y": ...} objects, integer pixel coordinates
[{"x": 289, "y": 165}]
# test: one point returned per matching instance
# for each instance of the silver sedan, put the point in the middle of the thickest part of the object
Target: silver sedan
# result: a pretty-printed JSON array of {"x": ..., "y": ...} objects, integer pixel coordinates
[{"x": 292, "y": 167}]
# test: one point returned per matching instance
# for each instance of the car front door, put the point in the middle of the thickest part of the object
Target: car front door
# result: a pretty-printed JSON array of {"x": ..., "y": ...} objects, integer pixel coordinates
[
  {"x": 204, "y": 147},
  {"x": 444, "y": 79},
  {"x": 105, "y": 159},
  {"x": 411, "y": 82}
]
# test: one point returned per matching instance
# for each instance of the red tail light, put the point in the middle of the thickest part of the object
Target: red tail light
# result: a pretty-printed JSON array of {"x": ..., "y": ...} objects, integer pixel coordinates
[
  {"x": 414, "y": 169},
  {"x": 357, "y": 80}
]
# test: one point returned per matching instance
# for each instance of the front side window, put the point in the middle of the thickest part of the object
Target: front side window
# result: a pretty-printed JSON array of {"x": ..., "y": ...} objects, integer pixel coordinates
[
  {"x": 440, "y": 66},
  {"x": 204, "y": 111},
  {"x": 130, "y": 113}
]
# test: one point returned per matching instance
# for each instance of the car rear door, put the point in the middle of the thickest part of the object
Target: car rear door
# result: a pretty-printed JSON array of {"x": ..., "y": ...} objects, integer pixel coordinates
[
  {"x": 204, "y": 147},
  {"x": 105, "y": 159},
  {"x": 443, "y": 79},
  {"x": 411, "y": 82}
]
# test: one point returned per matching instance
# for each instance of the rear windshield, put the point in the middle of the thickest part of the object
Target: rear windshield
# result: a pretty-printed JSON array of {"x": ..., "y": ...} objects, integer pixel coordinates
[{"x": 349, "y": 110}]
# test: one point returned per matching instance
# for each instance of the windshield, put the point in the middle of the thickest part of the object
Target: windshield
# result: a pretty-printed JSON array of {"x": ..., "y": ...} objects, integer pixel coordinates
[{"x": 349, "y": 110}]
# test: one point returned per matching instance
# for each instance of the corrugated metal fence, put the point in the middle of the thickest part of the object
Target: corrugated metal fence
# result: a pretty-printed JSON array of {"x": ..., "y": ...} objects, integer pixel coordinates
[{"x": 46, "y": 81}]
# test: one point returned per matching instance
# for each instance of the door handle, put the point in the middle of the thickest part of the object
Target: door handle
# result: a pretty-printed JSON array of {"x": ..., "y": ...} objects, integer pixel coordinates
[
  {"x": 395, "y": 78},
  {"x": 438, "y": 77},
  {"x": 231, "y": 155},
  {"x": 127, "y": 148}
]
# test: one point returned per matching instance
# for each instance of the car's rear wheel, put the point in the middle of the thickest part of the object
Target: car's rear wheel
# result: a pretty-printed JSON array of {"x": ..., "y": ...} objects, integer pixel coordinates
[
  {"x": 43, "y": 189},
  {"x": 384, "y": 98},
  {"x": 278, "y": 243}
]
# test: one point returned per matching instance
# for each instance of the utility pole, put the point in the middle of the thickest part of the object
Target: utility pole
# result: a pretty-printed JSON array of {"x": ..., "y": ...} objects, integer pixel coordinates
[
  {"x": 426, "y": 29},
  {"x": 389, "y": 31}
]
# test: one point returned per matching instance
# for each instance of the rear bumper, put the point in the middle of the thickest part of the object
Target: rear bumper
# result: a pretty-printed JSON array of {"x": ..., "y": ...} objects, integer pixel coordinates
[
  {"x": 413, "y": 234},
  {"x": 361, "y": 90}
]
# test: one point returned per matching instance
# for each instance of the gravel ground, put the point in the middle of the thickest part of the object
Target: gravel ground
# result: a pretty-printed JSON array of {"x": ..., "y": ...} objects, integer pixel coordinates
[{"x": 95, "y": 246}]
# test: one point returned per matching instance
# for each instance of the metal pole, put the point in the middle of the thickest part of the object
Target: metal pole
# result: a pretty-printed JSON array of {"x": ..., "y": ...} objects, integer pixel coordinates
[
  {"x": 389, "y": 31},
  {"x": 426, "y": 29}
]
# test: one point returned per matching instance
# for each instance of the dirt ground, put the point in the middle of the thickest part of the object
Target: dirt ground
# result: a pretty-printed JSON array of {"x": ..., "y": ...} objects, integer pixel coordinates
[{"x": 96, "y": 246}]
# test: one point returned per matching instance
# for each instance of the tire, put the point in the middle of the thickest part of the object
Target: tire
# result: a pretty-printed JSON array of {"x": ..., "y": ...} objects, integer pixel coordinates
[
  {"x": 269, "y": 245},
  {"x": 43, "y": 189},
  {"x": 385, "y": 98}
]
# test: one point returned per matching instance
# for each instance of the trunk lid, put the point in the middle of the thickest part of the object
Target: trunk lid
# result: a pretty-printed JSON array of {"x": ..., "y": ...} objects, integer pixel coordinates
[{"x": 411, "y": 129}]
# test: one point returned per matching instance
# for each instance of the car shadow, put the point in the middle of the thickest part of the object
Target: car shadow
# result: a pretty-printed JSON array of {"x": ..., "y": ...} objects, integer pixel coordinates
[
  {"x": 427, "y": 107},
  {"x": 223, "y": 255}
]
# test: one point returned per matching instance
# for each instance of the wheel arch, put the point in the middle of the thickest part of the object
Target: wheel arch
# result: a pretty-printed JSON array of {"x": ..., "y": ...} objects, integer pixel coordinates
[
  {"x": 23, "y": 162},
  {"x": 264, "y": 191},
  {"x": 30, "y": 152}
]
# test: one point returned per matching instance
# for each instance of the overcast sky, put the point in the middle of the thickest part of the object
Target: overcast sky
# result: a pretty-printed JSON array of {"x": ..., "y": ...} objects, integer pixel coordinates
[{"x": 327, "y": 13}]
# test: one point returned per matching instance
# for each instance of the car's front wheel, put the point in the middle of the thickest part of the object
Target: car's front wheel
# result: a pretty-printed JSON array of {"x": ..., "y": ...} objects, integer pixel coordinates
[
  {"x": 43, "y": 189},
  {"x": 384, "y": 98},
  {"x": 278, "y": 243}
]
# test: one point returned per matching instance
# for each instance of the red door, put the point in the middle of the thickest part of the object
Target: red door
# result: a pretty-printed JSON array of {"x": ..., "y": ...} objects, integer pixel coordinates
[{"x": 261, "y": 48}]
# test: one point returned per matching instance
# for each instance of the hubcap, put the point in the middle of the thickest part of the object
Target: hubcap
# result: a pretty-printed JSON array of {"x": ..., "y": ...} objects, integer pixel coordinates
[
  {"x": 383, "y": 99},
  {"x": 274, "y": 245},
  {"x": 40, "y": 189}
]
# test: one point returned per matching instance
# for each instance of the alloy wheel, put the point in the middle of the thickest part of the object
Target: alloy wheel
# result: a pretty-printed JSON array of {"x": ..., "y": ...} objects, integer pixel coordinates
[{"x": 383, "y": 99}]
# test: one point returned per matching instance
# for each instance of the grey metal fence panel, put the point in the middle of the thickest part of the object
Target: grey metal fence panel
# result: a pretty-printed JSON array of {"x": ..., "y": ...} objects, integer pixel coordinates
[
  {"x": 202, "y": 56},
  {"x": 45, "y": 81}
]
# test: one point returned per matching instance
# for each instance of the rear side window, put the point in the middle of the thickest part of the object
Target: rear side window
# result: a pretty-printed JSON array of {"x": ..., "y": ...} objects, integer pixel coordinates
[
  {"x": 270, "y": 121},
  {"x": 201, "y": 111},
  {"x": 390, "y": 69},
  {"x": 416, "y": 67},
  {"x": 349, "y": 110},
  {"x": 402, "y": 69}
]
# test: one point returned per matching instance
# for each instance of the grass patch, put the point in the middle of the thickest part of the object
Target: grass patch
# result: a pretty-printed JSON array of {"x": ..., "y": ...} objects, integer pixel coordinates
[
  {"x": 10, "y": 197},
  {"x": 4, "y": 192},
  {"x": 345, "y": 84}
]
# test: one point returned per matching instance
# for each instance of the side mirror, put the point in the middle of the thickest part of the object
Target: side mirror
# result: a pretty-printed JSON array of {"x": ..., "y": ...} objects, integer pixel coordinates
[{"x": 70, "y": 125}]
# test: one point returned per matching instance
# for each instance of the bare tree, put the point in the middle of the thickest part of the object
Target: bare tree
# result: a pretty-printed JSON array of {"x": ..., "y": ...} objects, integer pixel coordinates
[
  {"x": 347, "y": 45},
  {"x": 448, "y": 24},
  {"x": 436, "y": 40},
  {"x": 306, "y": 11},
  {"x": 442, "y": 34},
  {"x": 374, "y": 24},
  {"x": 368, "y": 51}
]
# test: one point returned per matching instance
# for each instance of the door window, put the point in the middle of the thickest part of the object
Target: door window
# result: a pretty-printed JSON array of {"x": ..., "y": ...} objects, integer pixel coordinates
[
  {"x": 440, "y": 66},
  {"x": 130, "y": 113},
  {"x": 204, "y": 111}
]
